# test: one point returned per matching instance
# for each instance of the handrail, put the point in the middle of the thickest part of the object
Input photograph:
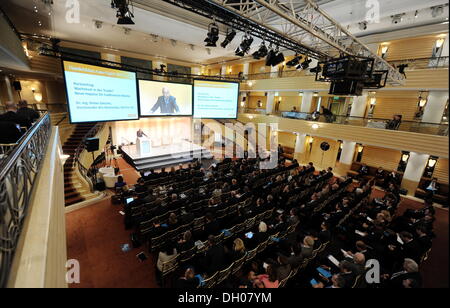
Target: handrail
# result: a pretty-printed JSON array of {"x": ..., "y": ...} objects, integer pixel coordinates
[
  {"x": 81, "y": 147},
  {"x": 18, "y": 174},
  {"x": 407, "y": 125}
]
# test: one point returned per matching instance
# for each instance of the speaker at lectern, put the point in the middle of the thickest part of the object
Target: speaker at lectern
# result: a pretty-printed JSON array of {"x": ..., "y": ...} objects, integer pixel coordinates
[{"x": 143, "y": 146}]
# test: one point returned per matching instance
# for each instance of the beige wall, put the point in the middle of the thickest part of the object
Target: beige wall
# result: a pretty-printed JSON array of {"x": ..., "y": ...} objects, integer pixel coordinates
[
  {"x": 441, "y": 170},
  {"x": 380, "y": 157},
  {"x": 323, "y": 159}
]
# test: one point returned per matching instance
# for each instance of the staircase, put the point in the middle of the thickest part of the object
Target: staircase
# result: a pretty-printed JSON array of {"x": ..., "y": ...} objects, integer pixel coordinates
[{"x": 75, "y": 191}]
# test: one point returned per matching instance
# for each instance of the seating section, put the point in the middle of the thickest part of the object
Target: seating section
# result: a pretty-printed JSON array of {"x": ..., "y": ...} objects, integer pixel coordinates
[{"x": 440, "y": 197}]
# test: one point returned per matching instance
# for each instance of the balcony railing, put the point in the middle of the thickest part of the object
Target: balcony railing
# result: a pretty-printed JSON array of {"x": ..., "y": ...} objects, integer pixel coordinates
[
  {"x": 406, "y": 126},
  {"x": 18, "y": 174}
]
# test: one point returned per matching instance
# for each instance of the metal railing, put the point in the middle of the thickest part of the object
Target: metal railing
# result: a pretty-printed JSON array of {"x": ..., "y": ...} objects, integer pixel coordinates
[
  {"x": 18, "y": 174},
  {"x": 406, "y": 126},
  {"x": 84, "y": 172}
]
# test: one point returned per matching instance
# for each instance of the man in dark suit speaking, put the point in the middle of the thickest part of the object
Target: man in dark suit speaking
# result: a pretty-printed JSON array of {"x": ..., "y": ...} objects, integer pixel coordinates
[{"x": 167, "y": 103}]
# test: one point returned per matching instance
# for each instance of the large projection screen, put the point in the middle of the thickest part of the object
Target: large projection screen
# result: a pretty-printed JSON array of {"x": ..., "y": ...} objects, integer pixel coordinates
[
  {"x": 100, "y": 94},
  {"x": 216, "y": 99},
  {"x": 158, "y": 99}
]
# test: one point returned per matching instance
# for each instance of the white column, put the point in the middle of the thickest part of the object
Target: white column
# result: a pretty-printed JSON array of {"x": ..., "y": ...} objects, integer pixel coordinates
[
  {"x": 415, "y": 167},
  {"x": 9, "y": 89},
  {"x": 348, "y": 152},
  {"x": 300, "y": 143},
  {"x": 223, "y": 70},
  {"x": 306, "y": 102},
  {"x": 435, "y": 107},
  {"x": 270, "y": 102},
  {"x": 359, "y": 106},
  {"x": 246, "y": 69},
  {"x": 274, "y": 71}
]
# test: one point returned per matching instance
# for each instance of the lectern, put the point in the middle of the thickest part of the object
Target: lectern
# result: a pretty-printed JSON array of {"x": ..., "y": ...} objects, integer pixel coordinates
[{"x": 143, "y": 146}]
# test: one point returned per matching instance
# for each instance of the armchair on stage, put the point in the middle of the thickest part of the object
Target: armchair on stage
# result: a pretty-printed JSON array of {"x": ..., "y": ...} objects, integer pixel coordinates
[{"x": 143, "y": 146}]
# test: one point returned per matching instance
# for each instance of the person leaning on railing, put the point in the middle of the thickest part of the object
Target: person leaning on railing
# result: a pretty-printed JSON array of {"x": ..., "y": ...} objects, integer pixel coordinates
[{"x": 395, "y": 123}]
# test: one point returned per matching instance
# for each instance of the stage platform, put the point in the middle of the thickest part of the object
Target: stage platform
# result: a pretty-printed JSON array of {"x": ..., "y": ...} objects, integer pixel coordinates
[{"x": 165, "y": 156}]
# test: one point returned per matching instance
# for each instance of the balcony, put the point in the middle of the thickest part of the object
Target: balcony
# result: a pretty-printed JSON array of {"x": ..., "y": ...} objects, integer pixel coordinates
[{"x": 426, "y": 138}]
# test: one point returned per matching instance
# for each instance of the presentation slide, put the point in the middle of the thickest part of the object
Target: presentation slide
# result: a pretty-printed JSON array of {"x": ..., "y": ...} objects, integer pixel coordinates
[
  {"x": 215, "y": 99},
  {"x": 99, "y": 94},
  {"x": 165, "y": 99}
]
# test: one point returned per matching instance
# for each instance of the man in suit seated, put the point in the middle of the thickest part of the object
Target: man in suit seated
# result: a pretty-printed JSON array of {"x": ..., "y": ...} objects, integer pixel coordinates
[
  {"x": 27, "y": 113},
  {"x": 215, "y": 258},
  {"x": 166, "y": 103}
]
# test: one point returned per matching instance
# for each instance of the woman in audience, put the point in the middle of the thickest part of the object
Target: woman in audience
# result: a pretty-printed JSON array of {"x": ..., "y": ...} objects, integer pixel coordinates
[
  {"x": 238, "y": 250},
  {"x": 186, "y": 242},
  {"x": 167, "y": 255},
  {"x": 269, "y": 279}
]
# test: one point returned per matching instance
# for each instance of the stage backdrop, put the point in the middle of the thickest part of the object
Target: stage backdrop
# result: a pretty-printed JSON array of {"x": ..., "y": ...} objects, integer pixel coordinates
[{"x": 162, "y": 131}]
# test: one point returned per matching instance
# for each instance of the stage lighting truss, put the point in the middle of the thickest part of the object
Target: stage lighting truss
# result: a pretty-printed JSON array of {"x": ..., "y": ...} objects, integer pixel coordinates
[
  {"x": 297, "y": 25},
  {"x": 295, "y": 61}
]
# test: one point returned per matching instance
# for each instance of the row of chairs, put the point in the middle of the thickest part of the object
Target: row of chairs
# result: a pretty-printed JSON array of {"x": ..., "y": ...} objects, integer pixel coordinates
[{"x": 185, "y": 256}]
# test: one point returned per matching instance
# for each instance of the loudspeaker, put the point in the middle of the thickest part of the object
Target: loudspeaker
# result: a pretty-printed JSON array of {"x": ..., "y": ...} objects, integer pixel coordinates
[
  {"x": 17, "y": 86},
  {"x": 325, "y": 146},
  {"x": 92, "y": 144}
]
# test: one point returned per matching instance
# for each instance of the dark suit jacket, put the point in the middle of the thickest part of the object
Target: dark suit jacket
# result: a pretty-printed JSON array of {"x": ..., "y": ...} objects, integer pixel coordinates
[
  {"x": 10, "y": 132},
  {"x": 28, "y": 113},
  {"x": 14, "y": 117},
  {"x": 215, "y": 259},
  {"x": 170, "y": 107}
]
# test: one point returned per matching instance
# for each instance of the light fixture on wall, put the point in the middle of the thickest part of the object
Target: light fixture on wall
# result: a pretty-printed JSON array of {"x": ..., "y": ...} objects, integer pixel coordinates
[
  {"x": 384, "y": 50},
  {"x": 316, "y": 94},
  {"x": 315, "y": 126},
  {"x": 432, "y": 162},
  {"x": 360, "y": 148},
  {"x": 373, "y": 101},
  {"x": 37, "y": 95},
  {"x": 300, "y": 94},
  {"x": 250, "y": 83},
  {"x": 405, "y": 157}
]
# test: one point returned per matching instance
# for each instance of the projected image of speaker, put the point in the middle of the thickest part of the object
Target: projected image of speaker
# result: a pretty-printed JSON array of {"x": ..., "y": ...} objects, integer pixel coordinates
[{"x": 92, "y": 144}]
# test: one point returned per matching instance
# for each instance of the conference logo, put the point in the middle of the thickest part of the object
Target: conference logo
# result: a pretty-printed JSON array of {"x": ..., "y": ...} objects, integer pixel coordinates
[
  {"x": 234, "y": 141},
  {"x": 73, "y": 11}
]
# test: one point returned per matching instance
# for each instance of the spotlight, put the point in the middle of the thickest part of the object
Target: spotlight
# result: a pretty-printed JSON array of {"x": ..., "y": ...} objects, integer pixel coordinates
[
  {"x": 123, "y": 14},
  {"x": 363, "y": 26},
  {"x": 244, "y": 48},
  {"x": 437, "y": 11},
  {"x": 261, "y": 52},
  {"x": 317, "y": 69},
  {"x": 306, "y": 63},
  {"x": 231, "y": 34},
  {"x": 274, "y": 58},
  {"x": 213, "y": 35},
  {"x": 398, "y": 18},
  {"x": 295, "y": 61}
]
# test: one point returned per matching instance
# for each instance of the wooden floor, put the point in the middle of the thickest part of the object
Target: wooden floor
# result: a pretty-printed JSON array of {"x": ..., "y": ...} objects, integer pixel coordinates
[{"x": 96, "y": 233}]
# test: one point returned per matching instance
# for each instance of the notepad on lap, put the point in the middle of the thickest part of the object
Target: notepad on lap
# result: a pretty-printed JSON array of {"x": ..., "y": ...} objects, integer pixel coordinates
[{"x": 333, "y": 260}]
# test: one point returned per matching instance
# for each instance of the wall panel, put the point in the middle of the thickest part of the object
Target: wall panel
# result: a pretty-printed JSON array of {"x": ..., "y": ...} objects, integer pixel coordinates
[{"x": 380, "y": 157}]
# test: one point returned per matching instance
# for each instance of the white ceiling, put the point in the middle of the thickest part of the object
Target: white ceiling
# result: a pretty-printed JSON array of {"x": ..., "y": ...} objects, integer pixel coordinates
[{"x": 170, "y": 23}]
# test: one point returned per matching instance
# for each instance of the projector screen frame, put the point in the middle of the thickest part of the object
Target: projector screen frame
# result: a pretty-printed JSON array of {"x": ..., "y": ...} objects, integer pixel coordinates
[
  {"x": 212, "y": 80},
  {"x": 165, "y": 116},
  {"x": 104, "y": 66}
]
